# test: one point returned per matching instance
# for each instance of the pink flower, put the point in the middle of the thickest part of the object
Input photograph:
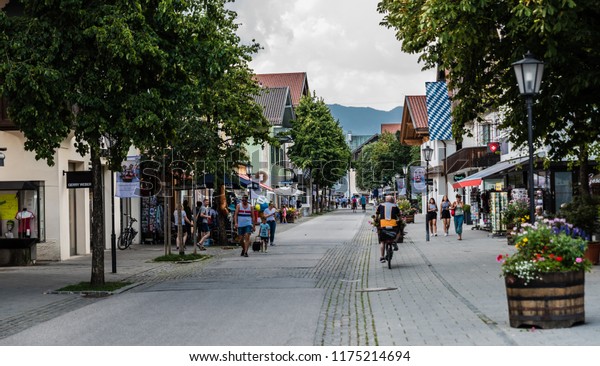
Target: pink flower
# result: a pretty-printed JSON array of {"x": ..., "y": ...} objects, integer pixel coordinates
[{"x": 578, "y": 260}]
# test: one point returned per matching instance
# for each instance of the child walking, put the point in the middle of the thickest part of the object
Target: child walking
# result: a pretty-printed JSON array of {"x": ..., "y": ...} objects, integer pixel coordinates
[{"x": 264, "y": 233}]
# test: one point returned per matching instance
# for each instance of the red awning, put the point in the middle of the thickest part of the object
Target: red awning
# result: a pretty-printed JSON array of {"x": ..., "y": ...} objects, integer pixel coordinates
[
  {"x": 467, "y": 183},
  {"x": 494, "y": 170}
]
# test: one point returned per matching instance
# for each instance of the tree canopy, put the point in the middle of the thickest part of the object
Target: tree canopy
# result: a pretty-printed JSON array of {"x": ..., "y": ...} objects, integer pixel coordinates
[
  {"x": 477, "y": 41},
  {"x": 148, "y": 73},
  {"x": 319, "y": 144},
  {"x": 380, "y": 161}
]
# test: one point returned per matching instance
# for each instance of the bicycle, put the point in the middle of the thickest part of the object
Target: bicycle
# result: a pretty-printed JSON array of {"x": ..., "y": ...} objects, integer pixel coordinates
[
  {"x": 389, "y": 239},
  {"x": 127, "y": 234}
]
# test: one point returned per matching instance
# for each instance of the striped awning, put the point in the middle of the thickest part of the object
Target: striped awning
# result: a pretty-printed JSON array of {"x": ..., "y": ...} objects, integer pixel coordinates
[{"x": 438, "y": 111}]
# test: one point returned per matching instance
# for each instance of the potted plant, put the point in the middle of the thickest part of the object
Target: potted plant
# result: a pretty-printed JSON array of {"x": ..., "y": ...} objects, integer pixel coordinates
[
  {"x": 467, "y": 211},
  {"x": 515, "y": 214},
  {"x": 583, "y": 214},
  {"x": 406, "y": 210},
  {"x": 291, "y": 214},
  {"x": 544, "y": 278}
]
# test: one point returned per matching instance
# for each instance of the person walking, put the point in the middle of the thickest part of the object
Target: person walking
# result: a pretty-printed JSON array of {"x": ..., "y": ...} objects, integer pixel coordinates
[
  {"x": 188, "y": 228},
  {"x": 354, "y": 203},
  {"x": 263, "y": 232},
  {"x": 459, "y": 215},
  {"x": 445, "y": 210},
  {"x": 243, "y": 220},
  {"x": 270, "y": 213},
  {"x": 363, "y": 203},
  {"x": 185, "y": 225},
  {"x": 202, "y": 218},
  {"x": 284, "y": 214},
  {"x": 432, "y": 216}
]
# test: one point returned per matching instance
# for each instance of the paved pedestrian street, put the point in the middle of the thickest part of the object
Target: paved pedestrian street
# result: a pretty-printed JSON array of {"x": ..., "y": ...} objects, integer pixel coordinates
[{"x": 321, "y": 285}]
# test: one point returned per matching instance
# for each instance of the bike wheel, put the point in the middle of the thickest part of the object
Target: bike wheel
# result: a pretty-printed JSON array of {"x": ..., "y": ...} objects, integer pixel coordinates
[
  {"x": 124, "y": 241},
  {"x": 389, "y": 254}
]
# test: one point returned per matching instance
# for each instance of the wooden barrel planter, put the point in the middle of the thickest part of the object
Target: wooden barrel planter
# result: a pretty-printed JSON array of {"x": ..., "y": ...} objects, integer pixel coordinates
[
  {"x": 410, "y": 219},
  {"x": 554, "y": 301},
  {"x": 593, "y": 252}
]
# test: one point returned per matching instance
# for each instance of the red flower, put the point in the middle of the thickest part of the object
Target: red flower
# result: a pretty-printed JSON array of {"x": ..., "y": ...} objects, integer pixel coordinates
[
  {"x": 551, "y": 256},
  {"x": 558, "y": 258},
  {"x": 499, "y": 258}
]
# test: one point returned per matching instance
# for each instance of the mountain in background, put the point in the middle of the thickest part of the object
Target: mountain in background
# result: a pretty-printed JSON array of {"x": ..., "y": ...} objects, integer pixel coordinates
[{"x": 364, "y": 120}]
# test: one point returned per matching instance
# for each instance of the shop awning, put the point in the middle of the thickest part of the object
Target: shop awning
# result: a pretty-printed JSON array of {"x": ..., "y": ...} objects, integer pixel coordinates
[
  {"x": 287, "y": 191},
  {"x": 208, "y": 181},
  {"x": 476, "y": 179},
  {"x": 245, "y": 182}
]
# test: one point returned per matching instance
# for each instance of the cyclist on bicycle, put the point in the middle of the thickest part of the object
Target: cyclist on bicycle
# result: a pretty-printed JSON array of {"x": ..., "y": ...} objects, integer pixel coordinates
[{"x": 388, "y": 214}]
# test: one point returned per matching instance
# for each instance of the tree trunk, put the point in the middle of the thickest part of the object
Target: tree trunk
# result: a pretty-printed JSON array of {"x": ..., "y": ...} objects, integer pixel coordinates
[
  {"x": 181, "y": 242},
  {"x": 584, "y": 181},
  {"x": 222, "y": 217},
  {"x": 97, "y": 228}
]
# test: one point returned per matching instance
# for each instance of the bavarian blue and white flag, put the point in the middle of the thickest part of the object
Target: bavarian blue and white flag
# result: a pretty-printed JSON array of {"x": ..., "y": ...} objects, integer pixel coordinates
[{"x": 438, "y": 111}]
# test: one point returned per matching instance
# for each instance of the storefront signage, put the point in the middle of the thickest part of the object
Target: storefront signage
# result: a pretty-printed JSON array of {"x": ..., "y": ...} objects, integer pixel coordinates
[
  {"x": 82, "y": 179},
  {"x": 458, "y": 177}
]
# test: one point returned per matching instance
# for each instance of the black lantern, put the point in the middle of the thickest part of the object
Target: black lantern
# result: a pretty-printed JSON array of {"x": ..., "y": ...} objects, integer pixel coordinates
[{"x": 529, "y": 72}]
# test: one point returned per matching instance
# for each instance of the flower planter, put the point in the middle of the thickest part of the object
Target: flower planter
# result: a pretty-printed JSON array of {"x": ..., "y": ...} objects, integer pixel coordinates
[
  {"x": 593, "y": 252},
  {"x": 554, "y": 301},
  {"x": 410, "y": 219},
  {"x": 509, "y": 236}
]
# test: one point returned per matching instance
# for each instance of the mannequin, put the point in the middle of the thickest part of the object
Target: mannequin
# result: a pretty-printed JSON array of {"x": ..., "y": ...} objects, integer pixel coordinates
[
  {"x": 9, "y": 228},
  {"x": 25, "y": 219}
]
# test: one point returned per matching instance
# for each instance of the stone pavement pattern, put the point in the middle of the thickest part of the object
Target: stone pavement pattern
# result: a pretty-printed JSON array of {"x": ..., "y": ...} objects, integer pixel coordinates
[{"x": 322, "y": 285}]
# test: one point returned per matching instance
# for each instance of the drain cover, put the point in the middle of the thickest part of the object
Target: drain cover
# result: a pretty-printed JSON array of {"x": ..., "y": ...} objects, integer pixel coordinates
[{"x": 377, "y": 289}]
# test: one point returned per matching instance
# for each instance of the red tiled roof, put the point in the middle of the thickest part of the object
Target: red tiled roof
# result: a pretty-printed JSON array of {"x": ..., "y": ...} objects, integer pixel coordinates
[
  {"x": 390, "y": 127},
  {"x": 417, "y": 107},
  {"x": 296, "y": 81},
  {"x": 414, "y": 130}
]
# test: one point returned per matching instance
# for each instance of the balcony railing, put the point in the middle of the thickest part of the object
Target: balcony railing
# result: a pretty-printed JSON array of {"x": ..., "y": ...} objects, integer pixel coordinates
[{"x": 469, "y": 157}]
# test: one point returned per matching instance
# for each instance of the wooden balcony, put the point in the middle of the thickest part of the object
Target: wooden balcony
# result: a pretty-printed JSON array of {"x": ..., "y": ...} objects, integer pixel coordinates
[{"x": 470, "y": 157}]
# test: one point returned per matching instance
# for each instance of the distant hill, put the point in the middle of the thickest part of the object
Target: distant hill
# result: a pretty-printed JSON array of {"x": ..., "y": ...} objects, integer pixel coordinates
[{"x": 364, "y": 120}]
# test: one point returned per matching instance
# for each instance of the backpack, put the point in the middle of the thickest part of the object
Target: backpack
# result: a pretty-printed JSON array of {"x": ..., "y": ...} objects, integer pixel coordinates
[{"x": 213, "y": 217}]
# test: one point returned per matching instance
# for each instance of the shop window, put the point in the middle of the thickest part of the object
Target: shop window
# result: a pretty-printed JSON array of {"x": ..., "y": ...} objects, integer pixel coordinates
[{"x": 21, "y": 210}]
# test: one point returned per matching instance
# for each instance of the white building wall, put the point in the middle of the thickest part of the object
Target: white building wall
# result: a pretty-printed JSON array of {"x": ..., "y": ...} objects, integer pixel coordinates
[{"x": 21, "y": 165}]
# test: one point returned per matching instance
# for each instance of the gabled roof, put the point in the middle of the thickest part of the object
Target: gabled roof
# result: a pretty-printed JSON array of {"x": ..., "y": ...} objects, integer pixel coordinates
[
  {"x": 390, "y": 127},
  {"x": 296, "y": 81},
  {"x": 414, "y": 129},
  {"x": 277, "y": 105}
]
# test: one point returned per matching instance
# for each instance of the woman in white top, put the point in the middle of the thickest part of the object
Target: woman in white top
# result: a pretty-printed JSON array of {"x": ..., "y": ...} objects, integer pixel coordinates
[
  {"x": 432, "y": 216},
  {"x": 269, "y": 214},
  {"x": 184, "y": 221}
]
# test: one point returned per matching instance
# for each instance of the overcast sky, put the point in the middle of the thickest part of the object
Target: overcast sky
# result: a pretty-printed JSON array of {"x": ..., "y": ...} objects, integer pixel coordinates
[{"x": 349, "y": 58}]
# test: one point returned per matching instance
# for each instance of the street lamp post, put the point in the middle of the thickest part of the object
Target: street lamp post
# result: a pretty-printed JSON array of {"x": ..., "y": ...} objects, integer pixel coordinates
[
  {"x": 407, "y": 182},
  {"x": 396, "y": 178},
  {"x": 427, "y": 151},
  {"x": 529, "y": 72},
  {"x": 249, "y": 172}
]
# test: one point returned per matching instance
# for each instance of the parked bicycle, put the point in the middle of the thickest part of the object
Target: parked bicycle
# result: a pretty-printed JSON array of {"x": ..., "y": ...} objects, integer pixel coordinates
[{"x": 127, "y": 234}]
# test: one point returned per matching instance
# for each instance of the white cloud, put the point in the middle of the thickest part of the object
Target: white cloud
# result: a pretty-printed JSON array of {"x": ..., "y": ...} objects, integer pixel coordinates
[{"x": 350, "y": 59}]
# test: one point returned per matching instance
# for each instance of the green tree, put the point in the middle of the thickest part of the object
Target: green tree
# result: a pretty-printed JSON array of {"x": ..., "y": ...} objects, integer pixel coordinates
[
  {"x": 380, "y": 161},
  {"x": 135, "y": 72},
  {"x": 476, "y": 42},
  {"x": 319, "y": 144}
]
